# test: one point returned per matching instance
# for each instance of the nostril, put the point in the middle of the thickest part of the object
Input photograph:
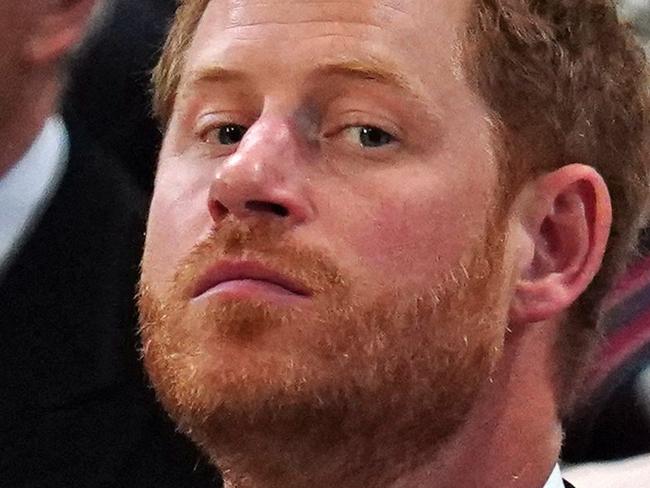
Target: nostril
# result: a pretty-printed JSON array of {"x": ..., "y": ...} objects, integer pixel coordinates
[
  {"x": 269, "y": 207},
  {"x": 219, "y": 208}
]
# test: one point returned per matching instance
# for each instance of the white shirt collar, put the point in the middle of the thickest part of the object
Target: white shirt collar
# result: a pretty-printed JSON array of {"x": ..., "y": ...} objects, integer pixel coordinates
[
  {"x": 555, "y": 481},
  {"x": 27, "y": 187}
]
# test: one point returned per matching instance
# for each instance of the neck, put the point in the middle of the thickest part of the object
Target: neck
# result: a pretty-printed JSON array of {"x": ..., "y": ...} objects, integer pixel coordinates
[
  {"x": 28, "y": 110},
  {"x": 511, "y": 438}
]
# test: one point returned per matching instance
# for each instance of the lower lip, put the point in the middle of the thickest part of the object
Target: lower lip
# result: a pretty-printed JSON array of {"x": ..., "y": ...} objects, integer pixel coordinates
[{"x": 256, "y": 289}]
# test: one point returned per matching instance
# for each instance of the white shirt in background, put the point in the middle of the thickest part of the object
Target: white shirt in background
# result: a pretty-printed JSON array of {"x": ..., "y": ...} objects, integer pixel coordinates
[{"x": 26, "y": 189}]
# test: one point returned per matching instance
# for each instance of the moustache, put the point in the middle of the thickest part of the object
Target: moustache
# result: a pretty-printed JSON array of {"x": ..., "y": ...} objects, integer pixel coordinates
[{"x": 268, "y": 245}]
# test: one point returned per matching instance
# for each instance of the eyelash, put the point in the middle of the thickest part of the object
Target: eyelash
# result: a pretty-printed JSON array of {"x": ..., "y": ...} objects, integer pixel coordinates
[
  {"x": 362, "y": 122},
  {"x": 205, "y": 132}
]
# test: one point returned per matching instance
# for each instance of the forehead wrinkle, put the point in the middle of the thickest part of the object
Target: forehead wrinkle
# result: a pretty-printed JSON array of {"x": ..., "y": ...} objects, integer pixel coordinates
[
  {"x": 388, "y": 4},
  {"x": 371, "y": 13},
  {"x": 251, "y": 30},
  {"x": 301, "y": 22}
]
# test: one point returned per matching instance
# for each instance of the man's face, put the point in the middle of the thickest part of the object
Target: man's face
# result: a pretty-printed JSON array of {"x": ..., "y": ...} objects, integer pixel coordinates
[{"x": 323, "y": 238}]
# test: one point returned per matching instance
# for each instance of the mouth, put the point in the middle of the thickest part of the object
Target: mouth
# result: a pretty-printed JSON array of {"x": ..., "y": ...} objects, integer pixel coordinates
[{"x": 241, "y": 279}]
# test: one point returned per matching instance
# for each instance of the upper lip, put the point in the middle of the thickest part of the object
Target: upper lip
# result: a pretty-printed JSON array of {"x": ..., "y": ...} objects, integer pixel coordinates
[{"x": 246, "y": 270}]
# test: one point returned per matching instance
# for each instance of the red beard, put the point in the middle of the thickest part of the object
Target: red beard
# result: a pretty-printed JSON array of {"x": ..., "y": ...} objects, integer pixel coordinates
[{"x": 404, "y": 367}]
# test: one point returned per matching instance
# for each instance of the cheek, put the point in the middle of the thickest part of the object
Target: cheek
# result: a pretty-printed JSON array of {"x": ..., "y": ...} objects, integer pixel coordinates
[
  {"x": 417, "y": 233},
  {"x": 401, "y": 239},
  {"x": 178, "y": 219}
]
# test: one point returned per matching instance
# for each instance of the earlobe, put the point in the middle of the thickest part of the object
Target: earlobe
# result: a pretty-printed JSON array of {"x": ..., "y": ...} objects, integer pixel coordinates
[
  {"x": 567, "y": 226},
  {"x": 59, "y": 27}
]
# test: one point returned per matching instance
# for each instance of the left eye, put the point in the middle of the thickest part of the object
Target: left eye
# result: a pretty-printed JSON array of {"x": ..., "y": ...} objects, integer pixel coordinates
[
  {"x": 369, "y": 136},
  {"x": 228, "y": 135}
]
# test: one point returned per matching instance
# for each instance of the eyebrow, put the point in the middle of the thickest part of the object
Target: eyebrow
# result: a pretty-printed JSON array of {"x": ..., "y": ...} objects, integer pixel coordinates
[
  {"x": 215, "y": 74},
  {"x": 370, "y": 69}
]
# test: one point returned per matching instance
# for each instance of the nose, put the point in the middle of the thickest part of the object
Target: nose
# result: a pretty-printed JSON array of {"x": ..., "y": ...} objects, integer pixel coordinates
[{"x": 263, "y": 178}]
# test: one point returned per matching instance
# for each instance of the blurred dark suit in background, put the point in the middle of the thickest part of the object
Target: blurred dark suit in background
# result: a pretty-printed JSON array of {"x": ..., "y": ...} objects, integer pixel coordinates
[
  {"x": 75, "y": 408},
  {"x": 110, "y": 84}
]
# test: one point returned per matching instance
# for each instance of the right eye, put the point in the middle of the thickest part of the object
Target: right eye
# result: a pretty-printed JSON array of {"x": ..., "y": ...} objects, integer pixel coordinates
[{"x": 226, "y": 135}]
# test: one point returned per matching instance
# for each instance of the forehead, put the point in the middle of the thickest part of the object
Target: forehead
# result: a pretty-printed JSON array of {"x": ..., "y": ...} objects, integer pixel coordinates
[{"x": 420, "y": 37}]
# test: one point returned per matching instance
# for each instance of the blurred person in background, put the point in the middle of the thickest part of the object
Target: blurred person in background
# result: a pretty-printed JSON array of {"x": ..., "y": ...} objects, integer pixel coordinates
[
  {"x": 381, "y": 233},
  {"x": 74, "y": 408}
]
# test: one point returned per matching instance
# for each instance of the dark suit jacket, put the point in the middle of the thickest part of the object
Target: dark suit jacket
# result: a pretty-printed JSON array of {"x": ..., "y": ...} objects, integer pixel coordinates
[
  {"x": 110, "y": 81},
  {"x": 567, "y": 484},
  {"x": 74, "y": 407}
]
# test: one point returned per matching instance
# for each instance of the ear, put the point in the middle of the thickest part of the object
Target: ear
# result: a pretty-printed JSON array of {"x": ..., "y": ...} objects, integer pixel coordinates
[
  {"x": 58, "y": 26},
  {"x": 566, "y": 221}
]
